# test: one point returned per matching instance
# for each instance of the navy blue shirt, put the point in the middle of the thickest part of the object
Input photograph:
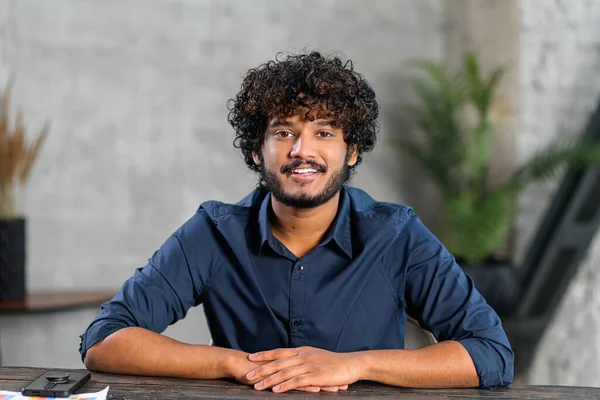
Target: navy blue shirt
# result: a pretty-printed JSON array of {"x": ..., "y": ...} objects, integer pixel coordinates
[{"x": 353, "y": 292}]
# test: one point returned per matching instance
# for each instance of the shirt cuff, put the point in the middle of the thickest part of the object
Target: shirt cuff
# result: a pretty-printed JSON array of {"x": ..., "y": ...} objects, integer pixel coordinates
[
  {"x": 493, "y": 368},
  {"x": 98, "y": 331}
]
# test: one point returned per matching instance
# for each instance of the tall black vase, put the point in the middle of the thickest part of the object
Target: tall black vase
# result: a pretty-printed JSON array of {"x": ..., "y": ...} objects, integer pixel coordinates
[
  {"x": 498, "y": 284},
  {"x": 12, "y": 259}
]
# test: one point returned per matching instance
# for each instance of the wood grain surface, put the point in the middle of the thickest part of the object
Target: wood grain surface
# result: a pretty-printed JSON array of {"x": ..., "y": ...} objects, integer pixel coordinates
[{"x": 140, "y": 387}]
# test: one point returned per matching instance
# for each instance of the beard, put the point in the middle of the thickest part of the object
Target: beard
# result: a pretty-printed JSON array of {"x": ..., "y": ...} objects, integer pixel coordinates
[{"x": 269, "y": 181}]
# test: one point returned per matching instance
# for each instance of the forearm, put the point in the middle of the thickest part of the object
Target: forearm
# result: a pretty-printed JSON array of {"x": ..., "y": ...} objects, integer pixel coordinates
[
  {"x": 442, "y": 365},
  {"x": 138, "y": 351}
]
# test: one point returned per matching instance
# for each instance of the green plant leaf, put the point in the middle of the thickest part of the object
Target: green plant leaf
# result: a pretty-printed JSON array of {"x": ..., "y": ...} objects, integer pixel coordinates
[
  {"x": 481, "y": 89},
  {"x": 473, "y": 76},
  {"x": 453, "y": 88},
  {"x": 480, "y": 156},
  {"x": 551, "y": 161},
  {"x": 475, "y": 228},
  {"x": 441, "y": 97},
  {"x": 430, "y": 165},
  {"x": 486, "y": 97},
  {"x": 455, "y": 150}
]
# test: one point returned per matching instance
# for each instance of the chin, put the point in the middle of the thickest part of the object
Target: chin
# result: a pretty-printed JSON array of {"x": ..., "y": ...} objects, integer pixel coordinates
[
  {"x": 299, "y": 195},
  {"x": 303, "y": 191}
]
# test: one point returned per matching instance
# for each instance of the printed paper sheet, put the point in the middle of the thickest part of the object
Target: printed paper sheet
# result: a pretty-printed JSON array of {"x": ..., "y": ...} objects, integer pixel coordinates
[{"x": 101, "y": 395}]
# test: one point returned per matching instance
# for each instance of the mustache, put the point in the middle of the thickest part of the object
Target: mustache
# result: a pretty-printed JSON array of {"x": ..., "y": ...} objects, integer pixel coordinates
[{"x": 296, "y": 163}]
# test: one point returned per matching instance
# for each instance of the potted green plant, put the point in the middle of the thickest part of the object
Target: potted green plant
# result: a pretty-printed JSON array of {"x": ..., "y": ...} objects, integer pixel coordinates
[
  {"x": 17, "y": 158},
  {"x": 454, "y": 149}
]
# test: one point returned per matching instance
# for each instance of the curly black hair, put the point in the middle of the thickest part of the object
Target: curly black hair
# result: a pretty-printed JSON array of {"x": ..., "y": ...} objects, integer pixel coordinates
[{"x": 325, "y": 87}]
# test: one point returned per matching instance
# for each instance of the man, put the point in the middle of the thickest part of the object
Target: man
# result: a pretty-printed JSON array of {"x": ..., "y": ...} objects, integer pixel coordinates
[{"x": 306, "y": 283}]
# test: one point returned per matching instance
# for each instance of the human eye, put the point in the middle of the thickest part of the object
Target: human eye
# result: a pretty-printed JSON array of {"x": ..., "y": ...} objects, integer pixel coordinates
[
  {"x": 325, "y": 134},
  {"x": 283, "y": 134}
]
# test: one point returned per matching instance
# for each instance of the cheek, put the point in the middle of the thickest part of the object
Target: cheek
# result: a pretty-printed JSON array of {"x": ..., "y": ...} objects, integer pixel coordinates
[
  {"x": 271, "y": 162},
  {"x": 269, "y": 157},
  {"x": 269, "y": 151},
  {"x": 335, "y": 157},
  {"x": 275, "y": 153}
]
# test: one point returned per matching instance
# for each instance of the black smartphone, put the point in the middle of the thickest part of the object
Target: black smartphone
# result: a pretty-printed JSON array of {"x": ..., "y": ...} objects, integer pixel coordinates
[{"x": 56, "y": 383}]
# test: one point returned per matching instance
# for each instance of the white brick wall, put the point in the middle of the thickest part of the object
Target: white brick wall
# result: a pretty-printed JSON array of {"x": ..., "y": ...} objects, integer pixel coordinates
[{"x": 560, "y": 86}]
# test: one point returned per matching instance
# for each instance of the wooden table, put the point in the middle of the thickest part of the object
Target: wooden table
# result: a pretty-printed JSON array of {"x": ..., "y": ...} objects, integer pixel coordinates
[{"x": 137, "y": 387}]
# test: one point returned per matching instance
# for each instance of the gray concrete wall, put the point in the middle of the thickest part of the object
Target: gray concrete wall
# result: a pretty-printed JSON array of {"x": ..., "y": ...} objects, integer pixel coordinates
[
  {"x": 560, "y": 87},
  {"x": 136, "y": 93}
]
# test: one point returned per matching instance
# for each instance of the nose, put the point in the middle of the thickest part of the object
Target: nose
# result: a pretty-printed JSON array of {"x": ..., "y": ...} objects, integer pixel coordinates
[{"x": 303, "y": 148}]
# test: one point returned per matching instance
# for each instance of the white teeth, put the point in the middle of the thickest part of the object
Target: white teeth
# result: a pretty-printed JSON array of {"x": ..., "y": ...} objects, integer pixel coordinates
[{"x": 305, "y": 171}]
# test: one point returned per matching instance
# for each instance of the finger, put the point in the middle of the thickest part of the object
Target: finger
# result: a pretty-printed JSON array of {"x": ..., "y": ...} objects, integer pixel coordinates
[
  {"x": 330, "y": 388},
  {"x": 312, "y": 389},
  {"x": 288, "y": 374},
  {"x": 271, "y": 355},
  {"x": 295, "y": 383},
  {"x": 271, "y": 368},
  {"x": 324, "y": 388}
]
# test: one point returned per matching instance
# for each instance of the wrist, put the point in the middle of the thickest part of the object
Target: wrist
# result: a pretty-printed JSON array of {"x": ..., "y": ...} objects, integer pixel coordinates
[
  {"x": 361, "y": 363},
  {"x": 226, "y": 363},
  {"x": 229, "y": 363}
]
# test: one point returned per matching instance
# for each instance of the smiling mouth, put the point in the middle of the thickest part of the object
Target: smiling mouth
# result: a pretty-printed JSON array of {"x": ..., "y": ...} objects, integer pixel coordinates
[{"x": 304, "y": 174}]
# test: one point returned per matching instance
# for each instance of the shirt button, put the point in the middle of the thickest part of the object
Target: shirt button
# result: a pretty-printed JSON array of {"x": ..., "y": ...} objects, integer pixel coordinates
[
  {"x": 296, "y": 324},
  {"x": 300, "y": 267}
]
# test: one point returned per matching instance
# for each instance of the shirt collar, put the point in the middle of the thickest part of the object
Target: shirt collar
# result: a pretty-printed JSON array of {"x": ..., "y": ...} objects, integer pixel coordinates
[
  {"x": 264, "y": 227},
  {"x": 340, "y": 233}
]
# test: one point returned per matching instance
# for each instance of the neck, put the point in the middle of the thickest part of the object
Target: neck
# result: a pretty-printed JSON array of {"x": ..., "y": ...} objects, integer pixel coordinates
[{"x": 291, "y": 224}]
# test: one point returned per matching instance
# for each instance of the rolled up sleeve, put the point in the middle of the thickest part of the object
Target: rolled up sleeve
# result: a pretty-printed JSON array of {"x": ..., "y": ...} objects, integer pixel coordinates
[
  {"x": 445, "y": 302},
  {"x": 155, "y": 297}
]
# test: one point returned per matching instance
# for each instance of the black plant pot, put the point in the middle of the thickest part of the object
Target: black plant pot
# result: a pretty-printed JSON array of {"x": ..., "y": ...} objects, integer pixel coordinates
[
  {"x": 12, "y": 259},
  {"x": 498, "y": 284}
]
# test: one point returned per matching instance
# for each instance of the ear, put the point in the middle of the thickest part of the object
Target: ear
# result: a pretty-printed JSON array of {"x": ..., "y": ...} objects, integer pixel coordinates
[
  {"x": 256, "y": 158},
  {"x": 353, "y": 155}
]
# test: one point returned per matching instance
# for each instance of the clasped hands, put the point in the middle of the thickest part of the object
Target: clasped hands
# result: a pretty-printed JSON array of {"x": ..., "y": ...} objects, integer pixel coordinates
[{"x": 305, "y": 368}]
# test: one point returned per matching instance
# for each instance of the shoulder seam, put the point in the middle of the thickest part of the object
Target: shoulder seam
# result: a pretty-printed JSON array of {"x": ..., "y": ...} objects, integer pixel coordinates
[{"x": 401, "y": 214}]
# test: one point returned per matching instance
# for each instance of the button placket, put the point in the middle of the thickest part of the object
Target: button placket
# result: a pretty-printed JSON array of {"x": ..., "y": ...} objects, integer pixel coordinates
[{"x": 297, "y": 293}]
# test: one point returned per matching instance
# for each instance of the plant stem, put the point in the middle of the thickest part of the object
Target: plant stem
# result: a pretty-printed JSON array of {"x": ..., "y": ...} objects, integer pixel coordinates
[{"x": 9, "y": 196}]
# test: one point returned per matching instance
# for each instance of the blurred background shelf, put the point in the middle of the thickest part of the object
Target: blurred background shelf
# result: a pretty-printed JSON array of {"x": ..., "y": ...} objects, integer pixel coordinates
[{"x": 47, "y": 302}]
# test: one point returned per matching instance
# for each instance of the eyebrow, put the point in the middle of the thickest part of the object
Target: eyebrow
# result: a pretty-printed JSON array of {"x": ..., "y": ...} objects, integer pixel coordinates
[
  {"x": 275, "y": 123},
  {"x": 325, "y": 123}
]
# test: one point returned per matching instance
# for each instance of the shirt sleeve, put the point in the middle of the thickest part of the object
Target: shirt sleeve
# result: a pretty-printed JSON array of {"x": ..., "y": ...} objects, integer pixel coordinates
[
  {"x": 156, "y": 296},
  {"x": 445, "y": 302}
]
